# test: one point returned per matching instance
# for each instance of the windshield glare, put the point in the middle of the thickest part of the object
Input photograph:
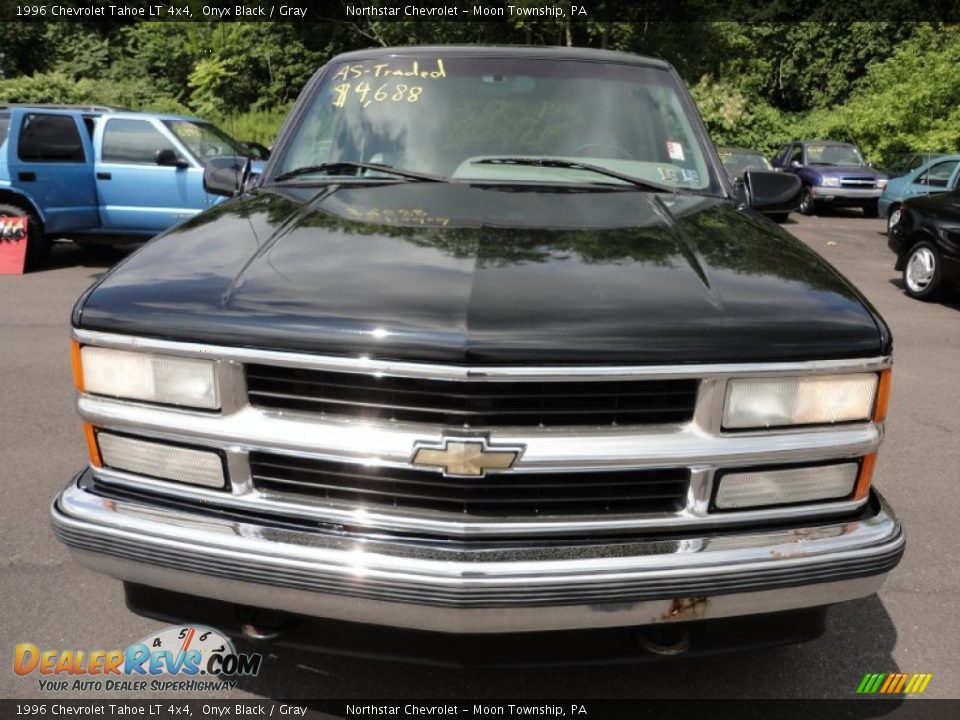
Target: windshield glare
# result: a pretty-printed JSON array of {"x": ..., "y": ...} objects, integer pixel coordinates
[
  {"x": 205, "y": 141},
  {"x": 440, "y": 115},
  {"x": 834, "y": 155}
]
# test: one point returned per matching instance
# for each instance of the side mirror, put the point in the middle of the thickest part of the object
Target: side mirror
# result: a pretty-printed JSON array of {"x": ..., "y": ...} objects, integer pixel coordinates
[
  {"x": 225, "y": 175},
  {"x": 168, "y": 158},
  {"x": 772, "y": 191},
  {"x": 795, "y": 164}
]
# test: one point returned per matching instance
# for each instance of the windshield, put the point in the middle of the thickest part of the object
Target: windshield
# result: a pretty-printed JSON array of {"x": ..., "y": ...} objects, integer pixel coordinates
[
  {"x": 737, "y": 163},
  {"x": 835, "y": 154},
  {"x": 446, "y": 115},
  {"x": 205, "y": 141}
]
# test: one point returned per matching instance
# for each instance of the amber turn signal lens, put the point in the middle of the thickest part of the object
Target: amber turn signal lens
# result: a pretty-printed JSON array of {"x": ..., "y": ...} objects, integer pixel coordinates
[
  {"x": 77, "y": 365},
  {"x": 866, "y": 475},
  {"x": 92, "y": 446},
  {"x": 883, "y": 396}
]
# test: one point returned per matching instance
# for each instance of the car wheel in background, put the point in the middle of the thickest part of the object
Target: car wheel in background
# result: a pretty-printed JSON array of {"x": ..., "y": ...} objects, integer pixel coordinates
[
  {"x": 38, "y": 244},
  {"x": 921, "y": 271},
  {"x": 872, "y": 210},
  {"x": 893, "y": 218},
  {"x": 808, "y": 206}
]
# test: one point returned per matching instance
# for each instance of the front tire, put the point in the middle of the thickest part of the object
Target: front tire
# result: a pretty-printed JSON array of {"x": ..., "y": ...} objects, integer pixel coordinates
[
  {"x": 922, "y": 272},
  {"x": 38, "y": 244},
  {"x": 872, "y": 210},
  {"x": 808, "y": 206},
  {"x": 893, "y": 219}
]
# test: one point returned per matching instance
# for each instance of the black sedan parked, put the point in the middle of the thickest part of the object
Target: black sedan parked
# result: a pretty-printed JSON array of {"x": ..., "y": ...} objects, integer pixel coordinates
[{"x": 927, "y": 243}]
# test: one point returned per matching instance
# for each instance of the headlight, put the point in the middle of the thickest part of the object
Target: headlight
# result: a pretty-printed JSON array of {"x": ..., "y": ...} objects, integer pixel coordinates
[
  {"x": 882, "y": 183},
  {"x": 830, "y": 182},
  {"x": 784, "y": 401},
  {"x": 143, "y": 376}
]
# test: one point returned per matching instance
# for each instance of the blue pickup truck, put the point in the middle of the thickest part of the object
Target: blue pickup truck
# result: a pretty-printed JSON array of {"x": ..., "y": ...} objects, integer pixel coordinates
[{"x": 99, "y": 176}]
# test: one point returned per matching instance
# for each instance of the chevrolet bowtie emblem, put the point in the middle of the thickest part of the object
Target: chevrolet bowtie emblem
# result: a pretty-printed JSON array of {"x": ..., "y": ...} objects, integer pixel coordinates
[{"x": 469, "y": 457}]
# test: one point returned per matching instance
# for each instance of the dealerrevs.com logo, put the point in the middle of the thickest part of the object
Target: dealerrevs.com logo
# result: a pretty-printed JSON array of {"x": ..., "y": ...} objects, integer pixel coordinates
[{"x": 172, "y": 659}]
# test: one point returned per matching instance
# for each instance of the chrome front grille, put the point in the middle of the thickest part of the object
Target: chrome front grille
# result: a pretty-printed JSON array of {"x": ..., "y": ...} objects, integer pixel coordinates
[
  {"x": 496, "y": 494},
  {"x": 858, "y": 182},
  {"x": 472, "y": 404},
  {"x": 626, "y": 473}
]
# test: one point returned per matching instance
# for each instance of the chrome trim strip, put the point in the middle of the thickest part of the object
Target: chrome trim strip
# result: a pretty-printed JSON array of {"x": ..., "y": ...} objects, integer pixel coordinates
[
  {"x": 451, "y": 588},
  {"x": 376, "y": 520},
  {"x": 852, "y": 193},
  {"x": 545, "y": 373},
  {"x": 571, "y": 449}
]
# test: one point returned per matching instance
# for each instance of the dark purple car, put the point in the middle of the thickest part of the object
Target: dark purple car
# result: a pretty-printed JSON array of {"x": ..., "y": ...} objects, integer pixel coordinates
[{"x": 833, "y": 174}]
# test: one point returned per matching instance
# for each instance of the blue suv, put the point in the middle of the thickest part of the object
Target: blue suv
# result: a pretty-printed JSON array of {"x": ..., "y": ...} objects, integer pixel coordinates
[
  {"x": 834, "y": 174},
  {"x": 98, "y": 176}
]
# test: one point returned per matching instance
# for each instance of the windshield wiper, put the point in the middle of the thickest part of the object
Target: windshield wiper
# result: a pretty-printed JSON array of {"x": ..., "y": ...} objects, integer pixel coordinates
[
  {"x": 335, "y": 167},
  {"x": 573, "y": 165}
]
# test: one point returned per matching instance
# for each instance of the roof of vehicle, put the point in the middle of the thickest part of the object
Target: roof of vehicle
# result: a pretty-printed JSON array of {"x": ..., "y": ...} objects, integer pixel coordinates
[
  {"x": 746, "y": 151},
  {"x": 59, "y": 106},
  {"x": 933, "y": 159},
  {"x": 521, "y": 51},
  {"x": 160, "y": 116},
  {"x": 101, "y": 110},
  {"x": 826, "y": 142}
]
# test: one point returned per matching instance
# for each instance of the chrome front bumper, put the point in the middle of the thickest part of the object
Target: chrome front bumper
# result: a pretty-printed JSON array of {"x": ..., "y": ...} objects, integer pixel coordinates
[
  {"x": 478, "y": 588},
  {"x": 842, "y": 193}
]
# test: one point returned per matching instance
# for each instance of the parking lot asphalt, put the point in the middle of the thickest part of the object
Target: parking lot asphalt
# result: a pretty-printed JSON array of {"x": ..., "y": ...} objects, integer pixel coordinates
[{"x": 911, "y": 626}]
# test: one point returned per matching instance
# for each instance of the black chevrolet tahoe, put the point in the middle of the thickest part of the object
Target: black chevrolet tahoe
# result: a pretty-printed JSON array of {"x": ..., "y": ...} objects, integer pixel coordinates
[{"x": 492, "y": 350}]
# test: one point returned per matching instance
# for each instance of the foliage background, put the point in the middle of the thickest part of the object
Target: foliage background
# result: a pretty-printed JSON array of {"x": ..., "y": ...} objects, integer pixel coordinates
[{"x": 892, "y": 87}]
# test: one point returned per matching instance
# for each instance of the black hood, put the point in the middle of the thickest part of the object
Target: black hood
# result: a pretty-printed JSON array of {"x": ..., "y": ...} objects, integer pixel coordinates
[{"x": 470, "y": 274}]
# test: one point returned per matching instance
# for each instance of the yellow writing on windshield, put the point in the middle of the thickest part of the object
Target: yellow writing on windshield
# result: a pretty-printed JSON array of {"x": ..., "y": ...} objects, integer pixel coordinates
[
  {"x": 384, "y": 82},
  {"x": 367, "y": 94},
  {"x": 412, "y": 69}
]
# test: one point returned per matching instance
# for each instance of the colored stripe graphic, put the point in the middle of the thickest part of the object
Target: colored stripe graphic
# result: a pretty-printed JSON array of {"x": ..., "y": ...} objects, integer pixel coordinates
[
  {"x": 922, "y": 684},
  {"x": 865, "y": 683},
  {"x": 893, "y": 683},
  {"x": 871, "y": 683}
]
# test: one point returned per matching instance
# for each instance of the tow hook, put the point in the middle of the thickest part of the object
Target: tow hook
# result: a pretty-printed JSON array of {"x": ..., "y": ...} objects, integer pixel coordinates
[
  {"x": 252, "y": 632},
  {"x": 262, "y": 626},
  {"x": 673, "y": 643}
]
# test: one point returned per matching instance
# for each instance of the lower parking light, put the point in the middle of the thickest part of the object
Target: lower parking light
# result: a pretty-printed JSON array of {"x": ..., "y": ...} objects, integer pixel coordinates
[
  {"x": 161, "y": 460},
  {"x": 784, "y": 486}
]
